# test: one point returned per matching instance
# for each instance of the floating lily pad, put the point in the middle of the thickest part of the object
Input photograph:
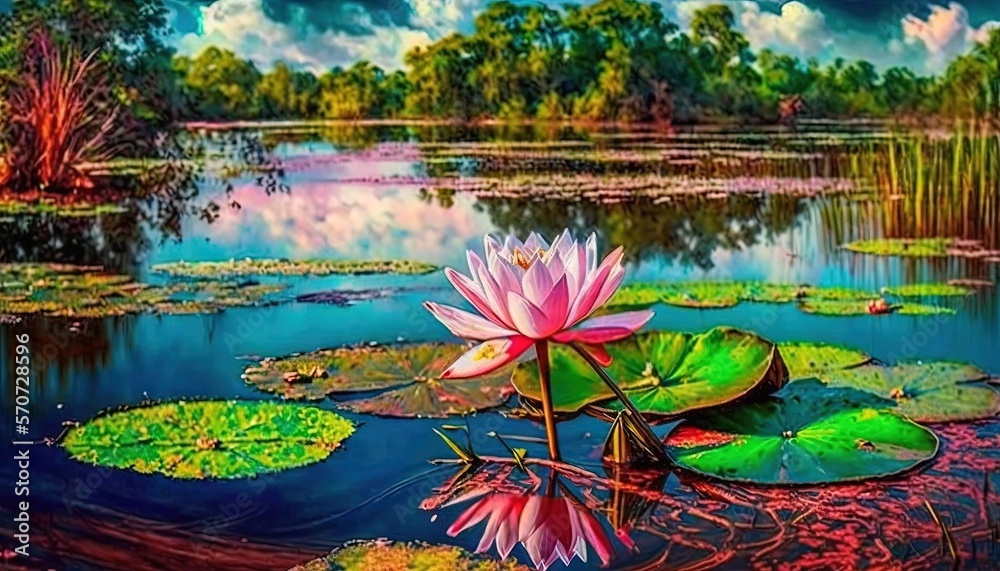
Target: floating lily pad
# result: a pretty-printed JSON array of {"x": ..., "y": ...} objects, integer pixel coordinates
[
  {"x": 406, "y": 376},
  {"x": 209, "y": 439},
  {"x": 52, "y": 208},
  {"x": 805, "y": 359},
  {"x": 925, "y": 392},
  {"x": 384, "y": 555},
  {"x": 846, "y": 308},
  {"x": 250, "y": 267},
  {"x": 90, "y": 292},
  {"x": 928, "y": 290},
  {"x": 662, "y": 373},
  {"x": 722, "y": 294},
  {"x": 920, "y": 247},
  {"x": 805, "y": 434}
]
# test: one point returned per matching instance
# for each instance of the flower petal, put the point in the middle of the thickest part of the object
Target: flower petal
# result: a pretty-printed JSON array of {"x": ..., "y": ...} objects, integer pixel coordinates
[
  {"x": 606, "y": 328},
  {"x": 599, "y": 353},
  {"x": 532, "y": 321},
  {"x": 473, "y": 515},
  {"x": 586, "y": 301},
  {"x": 488, "y": 357},
  {"x": 494, "y": 295},
  {"x": 467, "y": 325},
  {"x": 473, "y": 293},
  {"x": 537, "y": 283}
]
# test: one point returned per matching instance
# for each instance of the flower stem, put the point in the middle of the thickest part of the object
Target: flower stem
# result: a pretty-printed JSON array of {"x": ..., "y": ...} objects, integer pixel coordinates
[
  {"x": 542, "y": 354},
  {"x": 633, "y": 412}
]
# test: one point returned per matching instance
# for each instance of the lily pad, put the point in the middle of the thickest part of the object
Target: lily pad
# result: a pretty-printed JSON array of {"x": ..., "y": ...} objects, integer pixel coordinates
[
  {"x": 846, "y": 308},
  {"x": 663, "y": 373},
  {"x": 919, "y": 247},
  {"x": 929, "y": 290},
  {"x": 722, "y": 294},
  {"x": 406, "y": 378},
  {"x": 209, "y": 439},
  {"x": 91, "y": 292},
  {"x": 805, "y": 434},
  {"x": 385, "y": 555},
  {"x": 805, "y": 359},
  {"x": 249, "y": 267},
  {"x": 78, "y": 209},
  {"x": 925, "y": 392}
]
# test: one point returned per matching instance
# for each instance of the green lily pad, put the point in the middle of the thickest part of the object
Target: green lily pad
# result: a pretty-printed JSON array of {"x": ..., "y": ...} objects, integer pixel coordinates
[
  {"x": 919, "y": 247},
  {"x": 925, "y": 392},
  {"x": 406, "y": 378},
  {"x": 929, "y": 290},
  {"x": 805, "y": 434},
  {"x": 90, "y": 292},
  {"x": 209, "y": 439},
  {"x": 805, "y": 359},
  {"x": 722, "y": 294},
  {"x": 416, "y": 556},
  {"x": 662, "y": 373},
  {"x": 252, "y": 267},
  {"x": 847, "y": 308}
]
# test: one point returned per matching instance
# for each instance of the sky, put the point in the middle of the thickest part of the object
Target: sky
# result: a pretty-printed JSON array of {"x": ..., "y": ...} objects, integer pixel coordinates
[{"x": 320, "y": 34}]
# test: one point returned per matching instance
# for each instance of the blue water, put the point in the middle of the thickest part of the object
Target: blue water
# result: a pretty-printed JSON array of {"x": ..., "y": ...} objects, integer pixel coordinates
[{"x": 372, "y": 486}]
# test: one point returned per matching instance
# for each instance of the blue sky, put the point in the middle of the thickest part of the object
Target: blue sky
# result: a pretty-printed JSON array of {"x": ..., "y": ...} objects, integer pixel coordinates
[{"x": 319, "y": 34}]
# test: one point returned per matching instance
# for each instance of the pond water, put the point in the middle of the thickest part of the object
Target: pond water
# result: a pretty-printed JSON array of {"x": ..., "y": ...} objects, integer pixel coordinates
[{"x": 365, "y": 201}]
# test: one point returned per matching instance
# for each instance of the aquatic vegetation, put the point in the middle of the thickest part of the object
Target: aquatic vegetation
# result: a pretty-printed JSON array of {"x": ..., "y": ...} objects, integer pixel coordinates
[
  {"x": 397, "y": 556},
  {"x": 265, "y": 267},
  {"x": 664, "y": 373},
  {"x": 922, "y": 247},
  {"x": 407, "y": 379},
  {"x": 830, "y": 301},
  {"x": 82, "y": 209},
  {"x": 58, "y": 116},
  {"x": 805, "y": 359},
  {"x": 532, "y": 293},
  {"x": 90, "y": 292},
  {"x": 844, "y": 308},
  {"x": 929, "y": 290},
  {"x": 806, "y": 433},
  {"x": 925, "y": 392},
  {"x": 208, "y": 439},
  {"x": 345, "y": 297}
]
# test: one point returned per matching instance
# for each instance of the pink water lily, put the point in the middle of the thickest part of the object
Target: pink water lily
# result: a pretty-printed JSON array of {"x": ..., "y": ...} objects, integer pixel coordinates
[
  {"x": 531, "y": 292},
  {"x": 549, "y": 528}
]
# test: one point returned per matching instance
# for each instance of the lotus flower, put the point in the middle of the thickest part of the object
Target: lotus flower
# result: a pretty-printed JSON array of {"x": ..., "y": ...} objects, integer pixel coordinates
[
  {"x": 531, "y": 292},
  {"x": 549, "y": 528}
]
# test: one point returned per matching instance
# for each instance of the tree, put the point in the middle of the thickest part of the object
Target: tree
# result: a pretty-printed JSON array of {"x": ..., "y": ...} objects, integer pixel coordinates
[{"x": 219, "y": 85}]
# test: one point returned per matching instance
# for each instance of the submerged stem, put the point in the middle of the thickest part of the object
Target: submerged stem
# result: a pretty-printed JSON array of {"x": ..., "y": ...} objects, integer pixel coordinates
[
  {"x": 629, "y": 407},
  {"x": 542, "y": 354}
]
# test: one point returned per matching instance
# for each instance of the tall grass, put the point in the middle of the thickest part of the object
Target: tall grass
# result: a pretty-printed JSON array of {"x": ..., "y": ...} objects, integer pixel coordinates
[
  {"x": 938, "y": 184},
  {"x": 61, "y": 115}
]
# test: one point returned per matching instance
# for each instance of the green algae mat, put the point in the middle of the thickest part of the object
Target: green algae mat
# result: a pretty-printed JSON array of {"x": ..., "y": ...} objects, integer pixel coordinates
[{"x": 209, "y": 439}]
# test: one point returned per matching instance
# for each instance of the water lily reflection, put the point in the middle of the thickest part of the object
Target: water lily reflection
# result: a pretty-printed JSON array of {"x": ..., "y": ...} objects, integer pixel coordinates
[{"x": 550, "y": 527}]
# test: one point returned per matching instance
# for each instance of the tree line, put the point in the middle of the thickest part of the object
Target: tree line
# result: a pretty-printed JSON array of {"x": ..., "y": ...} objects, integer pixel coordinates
[{"x": 616, "y": 60}]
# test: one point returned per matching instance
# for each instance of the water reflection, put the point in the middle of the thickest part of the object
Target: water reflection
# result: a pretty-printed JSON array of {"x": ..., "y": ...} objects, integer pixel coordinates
[{"x": 552, "y": 525}]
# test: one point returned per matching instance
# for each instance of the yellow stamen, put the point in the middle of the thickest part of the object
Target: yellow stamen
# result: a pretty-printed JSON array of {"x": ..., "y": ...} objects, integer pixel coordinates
[
  {"x": 521, "y": 258},
  {"x": 486, "y": 352}
]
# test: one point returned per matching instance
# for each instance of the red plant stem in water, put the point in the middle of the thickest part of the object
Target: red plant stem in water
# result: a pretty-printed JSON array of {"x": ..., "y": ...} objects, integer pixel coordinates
[{"x": 542, "y": 354}]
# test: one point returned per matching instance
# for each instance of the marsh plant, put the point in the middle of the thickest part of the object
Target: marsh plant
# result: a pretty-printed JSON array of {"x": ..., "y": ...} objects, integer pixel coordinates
[{"x": 531, "y": 294}]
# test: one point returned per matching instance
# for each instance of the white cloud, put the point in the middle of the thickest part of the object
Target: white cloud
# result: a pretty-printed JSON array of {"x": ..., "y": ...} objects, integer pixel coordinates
[
  {"x": 243, "y": 27},
  {"x": 945, "y": 34},
  {"x": 797, "y": 29}
]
